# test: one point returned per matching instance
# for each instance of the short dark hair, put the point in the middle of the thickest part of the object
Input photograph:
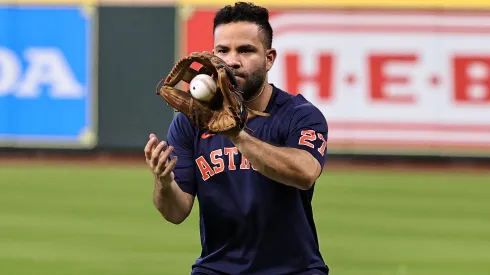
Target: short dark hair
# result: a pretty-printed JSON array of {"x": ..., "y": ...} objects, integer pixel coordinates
[{"x": 246, "y": 12}]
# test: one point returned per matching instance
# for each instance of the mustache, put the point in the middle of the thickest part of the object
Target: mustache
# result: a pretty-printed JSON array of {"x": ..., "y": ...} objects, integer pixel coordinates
[{"x": 240, "y": 74}]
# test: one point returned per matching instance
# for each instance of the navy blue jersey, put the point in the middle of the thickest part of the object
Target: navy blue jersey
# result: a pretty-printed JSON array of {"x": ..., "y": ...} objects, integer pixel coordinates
[{"x": 250, "y": 224}]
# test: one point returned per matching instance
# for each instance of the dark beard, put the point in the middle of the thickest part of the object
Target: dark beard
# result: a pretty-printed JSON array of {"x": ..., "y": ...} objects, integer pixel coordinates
[{"x": 253, "y": 83}]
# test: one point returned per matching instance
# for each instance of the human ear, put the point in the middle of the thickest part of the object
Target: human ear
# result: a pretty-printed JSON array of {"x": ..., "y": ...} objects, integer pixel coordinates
[{"x": 270, "y": 57}]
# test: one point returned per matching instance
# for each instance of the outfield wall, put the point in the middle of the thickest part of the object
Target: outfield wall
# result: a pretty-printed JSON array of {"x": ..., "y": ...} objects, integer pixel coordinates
[{"x": 411, "y": 78}]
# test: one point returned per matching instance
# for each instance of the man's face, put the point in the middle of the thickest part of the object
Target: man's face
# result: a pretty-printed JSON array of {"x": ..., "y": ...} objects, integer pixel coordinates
[{"x": 240, "y": 46}]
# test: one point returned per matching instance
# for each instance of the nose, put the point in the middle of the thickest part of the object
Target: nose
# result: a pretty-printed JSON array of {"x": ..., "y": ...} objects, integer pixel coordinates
[{"x": 232, "y": 60}]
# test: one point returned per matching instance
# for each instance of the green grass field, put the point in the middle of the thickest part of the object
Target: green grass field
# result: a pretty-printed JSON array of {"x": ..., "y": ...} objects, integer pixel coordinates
[{"x": 101, "y": 220}]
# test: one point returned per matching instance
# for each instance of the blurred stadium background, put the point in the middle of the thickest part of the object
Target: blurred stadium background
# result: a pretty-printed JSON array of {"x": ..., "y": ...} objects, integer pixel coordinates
[{"x": 405, "y": 86}]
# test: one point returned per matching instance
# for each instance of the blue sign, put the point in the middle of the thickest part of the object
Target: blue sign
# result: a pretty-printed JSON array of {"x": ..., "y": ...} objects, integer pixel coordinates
[{"x": 46, "y": 76}]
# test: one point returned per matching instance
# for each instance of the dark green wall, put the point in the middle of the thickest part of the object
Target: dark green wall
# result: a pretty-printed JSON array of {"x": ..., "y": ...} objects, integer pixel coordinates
[{"x": 136, "y": 49}]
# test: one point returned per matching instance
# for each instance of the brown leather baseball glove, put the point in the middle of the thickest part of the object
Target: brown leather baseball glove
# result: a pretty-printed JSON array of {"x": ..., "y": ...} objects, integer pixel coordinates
[{"x": 226, "y": 111}]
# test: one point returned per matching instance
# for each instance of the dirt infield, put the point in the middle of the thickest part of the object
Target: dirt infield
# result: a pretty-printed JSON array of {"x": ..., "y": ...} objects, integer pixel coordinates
[{"x": 393, "y": 163}]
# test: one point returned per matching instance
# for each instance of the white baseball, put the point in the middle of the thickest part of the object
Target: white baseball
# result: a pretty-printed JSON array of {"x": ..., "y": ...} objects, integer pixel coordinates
[{"x": 203, "y": 87}]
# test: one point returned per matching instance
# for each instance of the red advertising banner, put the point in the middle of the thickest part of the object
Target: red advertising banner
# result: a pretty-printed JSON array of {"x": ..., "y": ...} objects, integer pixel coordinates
[{"x": 387, "y": 82}]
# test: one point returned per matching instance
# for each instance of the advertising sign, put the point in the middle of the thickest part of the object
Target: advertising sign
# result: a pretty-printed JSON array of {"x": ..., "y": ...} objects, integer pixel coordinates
[
  {"x": 46, "y": 77},
  {"x": 390, "y": 82}
]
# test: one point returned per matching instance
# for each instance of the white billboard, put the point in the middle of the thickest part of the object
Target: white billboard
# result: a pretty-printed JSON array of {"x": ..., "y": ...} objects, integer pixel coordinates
[{"x": 392, "y": 80}]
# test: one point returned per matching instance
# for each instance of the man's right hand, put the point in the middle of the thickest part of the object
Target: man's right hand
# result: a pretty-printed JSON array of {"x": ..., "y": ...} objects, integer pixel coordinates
[{"x": 157, "y": 154}]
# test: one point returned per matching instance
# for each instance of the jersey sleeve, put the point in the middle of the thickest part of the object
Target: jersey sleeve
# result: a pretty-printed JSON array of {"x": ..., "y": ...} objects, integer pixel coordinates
[
  {"x": 308, "y": 130},
  {"x": 181, "y": 137}
]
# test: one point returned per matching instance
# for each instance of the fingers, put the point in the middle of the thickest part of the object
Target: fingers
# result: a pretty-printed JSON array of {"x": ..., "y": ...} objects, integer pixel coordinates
[
  {"x": 150, "y": 145},
  {"x": 162, "y": 160},
  {"x": 170, "y": 166},
  {"x": 156, "y": 154}
]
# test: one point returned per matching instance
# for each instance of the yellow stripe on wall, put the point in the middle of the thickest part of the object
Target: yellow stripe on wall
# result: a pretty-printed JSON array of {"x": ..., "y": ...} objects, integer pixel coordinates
[
  {"x": 412, "y": 4},
  {"x": 48, "y": 2},
  {"x": 91, "y": 2}
]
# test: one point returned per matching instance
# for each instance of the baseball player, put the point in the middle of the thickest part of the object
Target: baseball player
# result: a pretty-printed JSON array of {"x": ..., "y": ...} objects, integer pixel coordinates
[{"x": 254, "y": 184}]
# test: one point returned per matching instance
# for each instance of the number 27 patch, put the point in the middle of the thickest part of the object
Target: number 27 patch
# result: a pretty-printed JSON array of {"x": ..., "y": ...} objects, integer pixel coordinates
[{"x": 307, "y": 136}]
